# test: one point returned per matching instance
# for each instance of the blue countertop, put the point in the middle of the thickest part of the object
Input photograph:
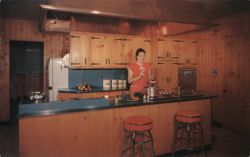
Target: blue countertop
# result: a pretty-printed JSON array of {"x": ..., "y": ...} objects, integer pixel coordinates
[
  {"x": 93, "y": 90},
  {"x": 58, "y": 107}
]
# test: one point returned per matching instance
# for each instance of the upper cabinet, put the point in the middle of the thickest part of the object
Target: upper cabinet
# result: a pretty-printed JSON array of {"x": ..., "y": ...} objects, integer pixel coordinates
[
  {"x": 97, "y": 50},
  {"x": 92, "y": 50},
  {"x": 145, "y": 43},
  {"x": 167, "y": 50},
  {"x": 128, "y": 50},
  {"x": 187, "y": 50},
  {"x": 78, "y": 50}
]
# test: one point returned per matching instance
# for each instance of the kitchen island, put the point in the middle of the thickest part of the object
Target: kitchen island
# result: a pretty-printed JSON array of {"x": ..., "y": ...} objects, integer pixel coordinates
[{"x": 94, "y": 127}]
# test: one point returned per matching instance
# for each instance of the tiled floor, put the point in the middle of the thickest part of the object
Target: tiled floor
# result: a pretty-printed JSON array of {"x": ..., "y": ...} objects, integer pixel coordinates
[{"x": 226, "y": 143}]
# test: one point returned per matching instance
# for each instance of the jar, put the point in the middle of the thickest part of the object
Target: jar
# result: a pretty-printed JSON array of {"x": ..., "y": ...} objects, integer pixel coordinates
[
  {"x": 106, "y": 84},
  {"x": 124, "y": 84},
  {"x": 114, "y": 84}
]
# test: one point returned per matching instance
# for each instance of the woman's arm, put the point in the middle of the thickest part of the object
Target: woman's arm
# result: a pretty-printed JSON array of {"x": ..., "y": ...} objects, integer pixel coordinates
[{"x": 132, "y": 79}]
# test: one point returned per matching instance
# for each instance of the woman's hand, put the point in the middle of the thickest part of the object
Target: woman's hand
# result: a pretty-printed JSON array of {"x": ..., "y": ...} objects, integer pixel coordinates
[{"x": 142, "y": 72}]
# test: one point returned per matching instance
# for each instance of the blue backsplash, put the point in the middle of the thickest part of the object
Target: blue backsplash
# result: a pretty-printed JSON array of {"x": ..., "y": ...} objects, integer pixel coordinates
[{"x": 94, "y": 77}]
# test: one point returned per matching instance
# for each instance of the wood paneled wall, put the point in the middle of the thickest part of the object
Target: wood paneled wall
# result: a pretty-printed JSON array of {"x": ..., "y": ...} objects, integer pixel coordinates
[
  {"x": 24, "y": 30},
  {"x": 225, "y": 49},
  {"x": 1, "y": 68}
]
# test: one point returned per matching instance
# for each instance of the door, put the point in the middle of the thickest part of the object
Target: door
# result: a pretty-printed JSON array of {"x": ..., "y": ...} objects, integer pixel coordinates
[
  {"x": 26, "y": 70},
  {"x": 234, "y": 91}
]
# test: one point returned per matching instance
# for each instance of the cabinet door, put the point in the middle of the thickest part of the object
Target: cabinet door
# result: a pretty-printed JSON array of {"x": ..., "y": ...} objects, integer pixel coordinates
[
  {"x": 115, "y": 50},
  {"x": 97, "y": 51},
  {"x": 162, "y": 75},
  {"x": 128, "y": 51},
  {"x": 162, "y": 48},
  {"x": 173, "y": 76},
  {"x": 194, "y": 53},
  {"x": 144, "y": 43},
  {"x": 181, "y": 49},
  {"x": 78, "y": 49}
]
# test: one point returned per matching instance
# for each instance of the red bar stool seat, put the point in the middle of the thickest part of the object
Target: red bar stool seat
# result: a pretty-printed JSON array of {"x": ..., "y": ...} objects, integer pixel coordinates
[
  {"x": 188, "y": 130},
  {"x": 138, "y": 135}
]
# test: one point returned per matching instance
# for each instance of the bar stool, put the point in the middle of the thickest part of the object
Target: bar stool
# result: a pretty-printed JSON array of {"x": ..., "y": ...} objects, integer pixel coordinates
[
  {"x": 138, "y": 135},
  {"x": 188, "y": 129}
]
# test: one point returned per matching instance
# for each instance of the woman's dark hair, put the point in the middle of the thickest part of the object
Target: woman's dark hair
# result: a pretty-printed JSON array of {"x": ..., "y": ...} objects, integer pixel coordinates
[{"x": 140, "y": 50}]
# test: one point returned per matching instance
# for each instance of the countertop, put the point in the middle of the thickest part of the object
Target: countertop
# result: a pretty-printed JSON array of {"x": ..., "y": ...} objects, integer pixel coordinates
[
  {"x": 58, "y": 107},
  {"x": 93, "y": 90}
]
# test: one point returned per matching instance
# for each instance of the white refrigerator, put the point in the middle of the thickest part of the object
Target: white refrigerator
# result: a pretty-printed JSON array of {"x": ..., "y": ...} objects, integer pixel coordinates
[{"x": 58, "y": 77}]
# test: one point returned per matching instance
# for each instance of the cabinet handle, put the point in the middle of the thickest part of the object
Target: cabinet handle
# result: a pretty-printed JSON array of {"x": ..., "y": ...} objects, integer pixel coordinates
[
  {"x": 174, "y": 57},
  {"x": 95, "y": 63},
  {"x": 73, "y": 36},
  {"x": 75, "y": 63},
  {"x": 176, "y": 63},
  {"x": 127, "y": 39},
  {"x": 95, "y": 37},
  {"x": 160, "y": 57},
  {"x": 147, "y": 40},
  {"x": 160, "y": 39},
  {"x": 109, "y": 61},
  {"x": 105, "y": 61},
  {"x": 160, "y": 63},
  {"x": 118, "y": 39},
  {"x": 85, "y": 60},
  {"x": 126, "y": 63}
]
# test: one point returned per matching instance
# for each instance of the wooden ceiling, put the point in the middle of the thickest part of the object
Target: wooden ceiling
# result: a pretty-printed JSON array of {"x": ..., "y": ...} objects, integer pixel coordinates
[{"x": 181, "y": 11}]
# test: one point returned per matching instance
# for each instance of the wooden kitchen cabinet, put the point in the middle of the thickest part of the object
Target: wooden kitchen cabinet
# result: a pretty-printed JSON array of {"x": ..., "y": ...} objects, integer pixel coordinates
[
  {"x": 167, "y": 64},
  {"x": 128, "y": 50},
  {"x": 167, "y": 75},
  {"x": 97, "y": 51},
  {"x": 187, "y": 52},
  {"x": 115, "y": 49},
  {"x": 121, "y": 50},
  {"x": 78, "y": 49},
  {"x": 166, "y": 50},
  {"x": 93, "y": 50},
  {"x": 144, "y": 43}
]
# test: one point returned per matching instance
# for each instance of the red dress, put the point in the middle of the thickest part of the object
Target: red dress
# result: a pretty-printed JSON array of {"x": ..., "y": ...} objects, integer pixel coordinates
[{"x": 139, "y": 85}]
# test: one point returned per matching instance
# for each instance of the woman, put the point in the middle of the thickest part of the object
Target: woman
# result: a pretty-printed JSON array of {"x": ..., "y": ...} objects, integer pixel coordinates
[{"x": 139, "y": 73}]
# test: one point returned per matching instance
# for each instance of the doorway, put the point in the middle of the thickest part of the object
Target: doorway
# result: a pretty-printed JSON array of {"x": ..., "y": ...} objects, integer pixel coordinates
[{"x": 26, "y": 70}]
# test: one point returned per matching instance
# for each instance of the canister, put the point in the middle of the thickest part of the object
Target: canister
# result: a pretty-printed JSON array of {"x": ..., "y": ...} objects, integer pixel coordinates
[
  {"x": 120, "y": 84},
  {"x": 106, "y": 84},
  {"x": 114, "y": 84},
  {"x": 124, "y": 84}
]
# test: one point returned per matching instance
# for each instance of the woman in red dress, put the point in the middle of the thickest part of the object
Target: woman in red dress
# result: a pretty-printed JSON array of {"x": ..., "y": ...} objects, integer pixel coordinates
[{"x": 138, "y": 73}]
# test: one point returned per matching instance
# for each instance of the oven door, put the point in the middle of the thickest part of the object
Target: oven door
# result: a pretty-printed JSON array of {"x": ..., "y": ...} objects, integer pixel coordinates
[{"x": 187, "y": 79}]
